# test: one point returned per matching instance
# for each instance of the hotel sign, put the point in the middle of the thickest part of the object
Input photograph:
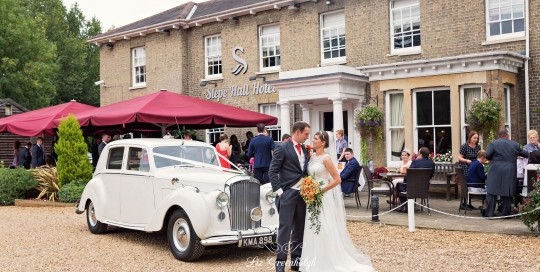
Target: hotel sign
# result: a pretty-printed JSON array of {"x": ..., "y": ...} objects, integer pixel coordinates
[{"x": 239, "y": 91}]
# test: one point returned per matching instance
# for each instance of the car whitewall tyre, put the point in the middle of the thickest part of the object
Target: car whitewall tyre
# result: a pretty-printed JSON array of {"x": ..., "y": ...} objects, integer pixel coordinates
[
  {"x": 184, "y": 243},
  {"x": 94, "y": 226}
]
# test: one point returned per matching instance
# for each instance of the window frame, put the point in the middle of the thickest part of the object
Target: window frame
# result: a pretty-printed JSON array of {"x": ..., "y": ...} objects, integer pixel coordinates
[
  {"x": 276, "y": 47},
  {"x": 135, "y": 73},
  {"x": 511, "y": 35},
  {"x": 389, "y": 128},
  {"x": 219, "y": 57},
  {"x": 407, "y": 50},
  {"x": 210, "y": 134},
  {"x": 8, "y": 110},
  {"x": 462, "y": 113},
  {"x": 507, "y": 109},
  {"x": 277, "y": 114},
  {"x": 340, "y": 59},
  {"x": 433, "y": 126}
]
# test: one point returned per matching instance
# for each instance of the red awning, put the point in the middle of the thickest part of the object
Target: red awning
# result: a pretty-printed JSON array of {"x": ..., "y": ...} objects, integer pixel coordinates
[
  {"x": 166, "y": 108},
  {"x": 34, "y": 123}
]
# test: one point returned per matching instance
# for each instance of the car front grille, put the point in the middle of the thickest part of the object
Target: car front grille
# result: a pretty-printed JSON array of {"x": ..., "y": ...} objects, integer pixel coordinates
[{"x": 245, "y": 195}]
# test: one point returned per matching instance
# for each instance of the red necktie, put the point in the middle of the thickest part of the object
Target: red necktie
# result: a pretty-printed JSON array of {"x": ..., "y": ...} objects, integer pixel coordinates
[{"x": 299, "y": 149}]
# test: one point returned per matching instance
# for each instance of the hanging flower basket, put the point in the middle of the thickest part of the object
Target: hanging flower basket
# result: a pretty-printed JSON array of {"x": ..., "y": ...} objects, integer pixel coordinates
[
  {"x": 369, "y": 121},
  {"x": 484, "y": 115}
]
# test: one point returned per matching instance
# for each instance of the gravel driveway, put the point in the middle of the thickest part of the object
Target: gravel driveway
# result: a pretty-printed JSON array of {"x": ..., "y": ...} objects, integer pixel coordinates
[{"x": 56, "y": 239}]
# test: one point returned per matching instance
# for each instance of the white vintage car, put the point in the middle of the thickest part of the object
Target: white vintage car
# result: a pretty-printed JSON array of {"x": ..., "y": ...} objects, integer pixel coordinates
[{"x": 178, "y": 186}]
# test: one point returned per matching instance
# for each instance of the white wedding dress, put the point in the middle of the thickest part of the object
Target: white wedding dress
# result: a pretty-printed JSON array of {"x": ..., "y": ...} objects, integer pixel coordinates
[{"x": 331, "y": 249}]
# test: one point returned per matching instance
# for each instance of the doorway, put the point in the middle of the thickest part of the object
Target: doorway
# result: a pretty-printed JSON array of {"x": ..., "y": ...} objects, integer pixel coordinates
[{"x": 328, "y": 122}]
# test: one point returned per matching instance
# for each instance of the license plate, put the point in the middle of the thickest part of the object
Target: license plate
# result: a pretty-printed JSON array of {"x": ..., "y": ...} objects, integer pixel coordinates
[{"x": 258, "y": 240}]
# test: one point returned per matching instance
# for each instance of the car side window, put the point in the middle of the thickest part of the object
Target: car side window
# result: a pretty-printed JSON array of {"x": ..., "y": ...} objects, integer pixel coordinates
[
  {"x": 116, "y": 155},
  {"x": 138, "y": 159}
]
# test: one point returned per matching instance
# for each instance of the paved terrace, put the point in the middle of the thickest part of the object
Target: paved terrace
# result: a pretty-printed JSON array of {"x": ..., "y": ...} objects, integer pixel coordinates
[{"x": 437, "y": 220}]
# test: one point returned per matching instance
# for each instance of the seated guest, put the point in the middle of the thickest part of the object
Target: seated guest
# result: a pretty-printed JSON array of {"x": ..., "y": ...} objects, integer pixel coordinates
[
  {"x": 349, "y": 174},
  {"x": 405, "y": 164},
  {"x": 476, "y": 178},
  {"x": 423, "y": 161}
]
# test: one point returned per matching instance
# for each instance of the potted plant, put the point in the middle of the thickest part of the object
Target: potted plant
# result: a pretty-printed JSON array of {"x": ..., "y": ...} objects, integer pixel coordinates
[
  {"x": 529, "y": 208},
  {"x": 484, "y": 116},
  {"x": 369, "y": 123}
]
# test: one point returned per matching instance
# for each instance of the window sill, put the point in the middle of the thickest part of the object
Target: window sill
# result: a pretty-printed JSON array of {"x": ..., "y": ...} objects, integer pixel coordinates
[
  {"x": 265, "y": 72},
  {"x": 506, "y": 40},
  {"x": 137, "y": 87},
  {"x": 335, "y": 62},
  {"x": 405, "y": 53},
  {"x": 212, "y": 78}
]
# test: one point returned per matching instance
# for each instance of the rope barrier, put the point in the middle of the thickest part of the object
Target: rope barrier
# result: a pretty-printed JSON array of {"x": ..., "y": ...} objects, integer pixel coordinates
[{"x": 445, "y": 213}]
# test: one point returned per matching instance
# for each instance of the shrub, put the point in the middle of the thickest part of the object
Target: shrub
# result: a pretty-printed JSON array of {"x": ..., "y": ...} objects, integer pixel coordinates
[
  {"x": 73, "y": 163},
  {"x": 14, "y": 183},
  {"x": 47, "y": 178},
  {"x": 530, "y": 207},
  {"x": 71, "y": 192}
]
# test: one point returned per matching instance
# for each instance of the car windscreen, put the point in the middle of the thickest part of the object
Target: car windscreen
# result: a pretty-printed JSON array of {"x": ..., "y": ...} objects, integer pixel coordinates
[{"x": 201, "y": 154}]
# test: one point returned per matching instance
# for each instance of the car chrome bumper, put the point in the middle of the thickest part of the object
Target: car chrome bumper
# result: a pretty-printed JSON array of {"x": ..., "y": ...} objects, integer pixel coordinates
[{"x": 233, "y": 239}]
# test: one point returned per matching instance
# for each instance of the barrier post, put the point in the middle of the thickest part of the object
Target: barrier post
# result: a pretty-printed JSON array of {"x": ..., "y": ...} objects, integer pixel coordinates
[{"x": 410, "y": 213}]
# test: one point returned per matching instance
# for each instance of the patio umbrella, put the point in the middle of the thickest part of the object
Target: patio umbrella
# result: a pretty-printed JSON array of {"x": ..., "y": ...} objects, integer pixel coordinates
[
  {"x": 163, "y": 109},
  {"x": 36, "y": 122}
]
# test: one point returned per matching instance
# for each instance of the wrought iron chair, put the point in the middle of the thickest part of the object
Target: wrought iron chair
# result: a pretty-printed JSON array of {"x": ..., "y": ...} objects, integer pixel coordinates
[
  {"x": 356, "y": 187},
  {"x": 466, "y": 192},
  {"x": 385, "y": 187},
  {"x": 418, "y": 185}
]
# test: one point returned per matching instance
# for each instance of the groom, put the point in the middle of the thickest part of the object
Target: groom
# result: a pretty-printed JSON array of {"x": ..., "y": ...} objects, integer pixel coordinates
[{"x": 288, "y": 167}]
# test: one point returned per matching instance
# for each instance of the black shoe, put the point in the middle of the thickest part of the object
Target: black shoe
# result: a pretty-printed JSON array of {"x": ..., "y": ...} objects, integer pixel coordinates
[
  {"x": 471, "y": 207},
  {"x": 295, "y": 264},
  {"x": 464, "y": 207},
  {"x": 280, "y": 268}
]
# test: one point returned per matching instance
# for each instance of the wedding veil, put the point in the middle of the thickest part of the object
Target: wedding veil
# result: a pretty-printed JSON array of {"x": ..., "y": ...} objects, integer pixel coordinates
[{"x": 331, "y": 149}]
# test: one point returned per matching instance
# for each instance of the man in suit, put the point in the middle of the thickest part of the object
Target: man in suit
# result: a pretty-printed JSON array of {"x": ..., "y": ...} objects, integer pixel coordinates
[
  {"x": 349, "y": 174},
  {"x": 502, "y": 176},
  {"x": 421, "y": 162},
  {"x": 38, "y": 156},
  {"x": 288, "y": 167},
  {"x": 105, "y": 139},
  {"x": 24, "y": 156},
  {"x": 260, "y": 148}
]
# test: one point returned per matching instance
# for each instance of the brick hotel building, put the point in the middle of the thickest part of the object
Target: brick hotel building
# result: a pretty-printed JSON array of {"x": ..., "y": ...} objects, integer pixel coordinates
[{"x": 422, "y": 62}]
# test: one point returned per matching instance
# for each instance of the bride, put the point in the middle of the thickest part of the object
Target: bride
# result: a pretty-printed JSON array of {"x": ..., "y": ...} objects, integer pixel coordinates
[{"x": 331, "y": 249}]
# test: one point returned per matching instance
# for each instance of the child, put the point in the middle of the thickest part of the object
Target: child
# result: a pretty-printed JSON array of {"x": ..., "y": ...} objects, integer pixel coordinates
[{"x": 476, "y": 178}]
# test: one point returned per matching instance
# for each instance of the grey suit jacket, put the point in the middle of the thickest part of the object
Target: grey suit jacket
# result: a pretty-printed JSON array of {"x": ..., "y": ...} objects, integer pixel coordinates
[
  {"x": 502, "y": 174},
  {"x": 285, "y": 170}
]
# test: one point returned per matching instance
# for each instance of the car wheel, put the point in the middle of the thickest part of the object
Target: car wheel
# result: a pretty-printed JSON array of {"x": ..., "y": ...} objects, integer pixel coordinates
[
  {"x": 184, "y": 243},
  {"x": 94, "y": 225}
]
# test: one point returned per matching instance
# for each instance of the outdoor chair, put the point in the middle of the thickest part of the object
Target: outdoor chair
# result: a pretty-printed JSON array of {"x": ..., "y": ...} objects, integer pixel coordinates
[
  {"x": 384, "y": 187},
  {"x": 465, "y": 192},
  {"x": 356, "y": 188},
  {"x": 418, "y": 185}
]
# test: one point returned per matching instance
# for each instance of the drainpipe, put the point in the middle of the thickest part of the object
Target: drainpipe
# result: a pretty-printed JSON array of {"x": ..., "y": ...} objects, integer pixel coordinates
[{"x": 527, "y": 106}]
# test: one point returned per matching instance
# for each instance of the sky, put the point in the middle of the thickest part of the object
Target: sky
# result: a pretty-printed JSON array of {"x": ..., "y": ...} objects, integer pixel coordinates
[{"x": 122, "y": 12}]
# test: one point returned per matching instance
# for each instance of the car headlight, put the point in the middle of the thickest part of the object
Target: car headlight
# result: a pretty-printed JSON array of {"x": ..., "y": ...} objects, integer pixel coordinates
[
  {"x": 222, "y": 200},
  {"x": 270, "y": 197},
  {"x": 256, "y": 214}
]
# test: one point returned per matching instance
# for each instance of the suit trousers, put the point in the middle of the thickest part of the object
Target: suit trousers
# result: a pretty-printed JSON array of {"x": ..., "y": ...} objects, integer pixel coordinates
[
  {"x": 506, "y": 204},
  {"x": 261, "y": 174},
  {"x": 292, "y": 217}
]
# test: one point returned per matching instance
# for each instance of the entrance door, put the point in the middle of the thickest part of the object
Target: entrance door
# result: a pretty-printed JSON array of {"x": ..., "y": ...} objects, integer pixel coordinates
[{"x": 328, "y": 122}]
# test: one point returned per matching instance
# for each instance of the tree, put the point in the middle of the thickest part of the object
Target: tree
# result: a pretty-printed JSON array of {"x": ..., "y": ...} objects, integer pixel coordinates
[
  {"x": 77, "y": 60},
  {"x": 73, "y": 164},
  {"x": 27, "y": 67}
]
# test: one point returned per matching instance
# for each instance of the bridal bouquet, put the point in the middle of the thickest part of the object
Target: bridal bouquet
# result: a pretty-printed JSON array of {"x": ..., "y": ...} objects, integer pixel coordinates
[{"x": 311, "y": 192}]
